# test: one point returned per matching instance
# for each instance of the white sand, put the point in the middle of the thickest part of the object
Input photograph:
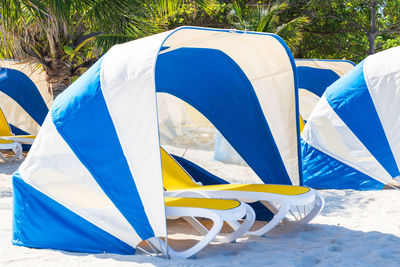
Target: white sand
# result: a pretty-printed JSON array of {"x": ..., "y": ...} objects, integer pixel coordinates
[{"x": 355, "y": 229}]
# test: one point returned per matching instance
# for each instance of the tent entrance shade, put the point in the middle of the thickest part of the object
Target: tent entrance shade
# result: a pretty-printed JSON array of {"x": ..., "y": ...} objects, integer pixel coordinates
[{"x": 97, "y": 155}]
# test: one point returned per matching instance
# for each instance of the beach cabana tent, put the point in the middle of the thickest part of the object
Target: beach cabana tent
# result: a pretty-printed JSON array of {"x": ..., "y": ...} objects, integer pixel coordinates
[
  {"x": 25, "y": 98},
  {"x": 92, "y": 181},
  {"x": 352, "y": 137},
  {"x": 315, "y": 75}
]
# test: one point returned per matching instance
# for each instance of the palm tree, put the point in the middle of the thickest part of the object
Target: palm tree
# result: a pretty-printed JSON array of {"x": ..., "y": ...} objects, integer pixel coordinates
[
  {"x": 67, "y": 36},
  {"x": 266, "y": 18},
  {"x": 170, "y": 14}
]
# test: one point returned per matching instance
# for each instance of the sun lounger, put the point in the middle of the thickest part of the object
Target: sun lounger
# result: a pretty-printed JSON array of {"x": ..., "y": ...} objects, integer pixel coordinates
[
  {"x": 178, "y": 183},
  {"x": 8, "y": 141},
  {"x": 216, "y": 210}
]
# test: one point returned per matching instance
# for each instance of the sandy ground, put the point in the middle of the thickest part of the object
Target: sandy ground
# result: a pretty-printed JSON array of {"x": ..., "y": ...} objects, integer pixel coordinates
[{"x": 354, "y": 229}]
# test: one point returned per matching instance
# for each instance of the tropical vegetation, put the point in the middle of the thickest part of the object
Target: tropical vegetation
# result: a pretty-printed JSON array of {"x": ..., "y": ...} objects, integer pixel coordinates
[{"x": 65, "y": 37}]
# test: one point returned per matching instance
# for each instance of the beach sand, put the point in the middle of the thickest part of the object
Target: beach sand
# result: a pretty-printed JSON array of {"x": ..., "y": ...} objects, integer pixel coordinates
[{"x": 355, "y": 229}]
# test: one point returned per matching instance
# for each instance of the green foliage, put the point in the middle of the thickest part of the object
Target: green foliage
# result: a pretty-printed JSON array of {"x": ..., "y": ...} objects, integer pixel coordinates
[
  {"x": 267, "y": 18},
  {"x": 347, "y": 29},
  {"x": 170, "y": 14},
  {"x": 74, "y": 32}
]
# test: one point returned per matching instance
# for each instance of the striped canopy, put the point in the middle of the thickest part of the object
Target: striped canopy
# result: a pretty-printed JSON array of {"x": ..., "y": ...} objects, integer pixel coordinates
[
  {"x": 92, "y": 181},
  {"x": 352, "y": 137}
]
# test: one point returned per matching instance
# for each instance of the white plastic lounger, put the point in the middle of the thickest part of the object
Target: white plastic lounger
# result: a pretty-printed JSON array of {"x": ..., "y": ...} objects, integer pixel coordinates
[
  {"x": 215, "y": 210},
  {"x": 11, "y": 145},
  {"x": 8, "y": 141},
  {"x": 22, "y": 139},
  {"x": 178, "y": 183}
]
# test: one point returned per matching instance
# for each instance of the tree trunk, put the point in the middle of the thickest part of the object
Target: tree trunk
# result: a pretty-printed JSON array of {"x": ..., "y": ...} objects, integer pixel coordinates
[
  {"x": 58, "y": 76},
  {"x": 371, "y": 42},
  {"x": 372, "y": 34}
]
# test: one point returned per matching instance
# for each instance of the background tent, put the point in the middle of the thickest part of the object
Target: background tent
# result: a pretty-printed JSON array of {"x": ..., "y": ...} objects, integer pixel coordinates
[
  {"x": 315, "y": 75},
  {"x": 25, "y": 97},
  {"x": 103, "y": 192},
  {"x": 352, "y": 137}
]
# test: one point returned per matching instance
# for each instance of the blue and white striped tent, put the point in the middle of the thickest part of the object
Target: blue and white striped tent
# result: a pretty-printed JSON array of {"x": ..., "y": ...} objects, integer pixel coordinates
[
  {"x": 352, "y": 138},
  {"x": 92, "y": 180},
  {"x": 21, "y": 101},
  {"x": 315, "y": 75}
]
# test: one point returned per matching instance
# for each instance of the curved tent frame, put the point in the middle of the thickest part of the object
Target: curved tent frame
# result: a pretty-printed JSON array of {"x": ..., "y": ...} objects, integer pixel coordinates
[{"x": 117, "y": 170}]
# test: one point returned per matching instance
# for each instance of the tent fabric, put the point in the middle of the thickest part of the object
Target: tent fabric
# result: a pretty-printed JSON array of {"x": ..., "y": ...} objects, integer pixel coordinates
[
  {"x": 276, "y": 92},
  {"x": 24, "y": 105},
  {"x": 354, "y": 128},
  {"x": 315, "y": 75},
  {"x": 106, "y": 188},
  {"x": 223, "y": 77}
]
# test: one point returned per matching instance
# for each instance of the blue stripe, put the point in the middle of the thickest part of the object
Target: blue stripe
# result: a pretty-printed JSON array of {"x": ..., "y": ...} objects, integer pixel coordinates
[
  {"x": 316, "y": 80},
  {"x": 41, "y": 222},
  {"x": 19, "y": 87},
  {"x": 81, "y": 117},
  {"x": 325, "y": 172},
  {"x": 349, "y": 97},
  {"x": 214, "y": 84}
]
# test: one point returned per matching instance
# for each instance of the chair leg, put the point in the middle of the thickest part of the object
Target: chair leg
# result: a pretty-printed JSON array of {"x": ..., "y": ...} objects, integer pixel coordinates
[
  {"x": 319, "y": 205},
  {"x": 196, "y": 225},
  {"x": 283, "y": 210},
  {"x": 3, "y": 158},
  {"x": 210, "y": 235},
  {"x": 18, "y": 152},
  {"x": 241, "y": 229}
]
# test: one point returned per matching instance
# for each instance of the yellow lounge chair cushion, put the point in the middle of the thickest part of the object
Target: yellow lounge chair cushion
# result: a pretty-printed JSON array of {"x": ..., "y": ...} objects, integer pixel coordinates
[
  {"x": 261, "y": 188},
  {"x": 176, "y": 178},
  {"x": 205, "y": 203},
  {"x": 2, "y": 141}
]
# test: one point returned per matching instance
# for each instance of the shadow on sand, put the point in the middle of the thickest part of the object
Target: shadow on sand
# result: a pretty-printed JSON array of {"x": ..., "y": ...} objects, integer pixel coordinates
[{"x": 288, "y": 245}]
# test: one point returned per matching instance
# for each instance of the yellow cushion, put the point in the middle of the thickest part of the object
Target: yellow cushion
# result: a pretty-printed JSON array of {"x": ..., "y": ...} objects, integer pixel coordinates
[
  {"x": 206, "y": 203},
  {"x": 176, "y": 178},
  {"x": 261, "y": 188},
  {"x": 25, "y": 136},
  {"x": 301, "y": 124},
  {"x": 2, "y": 141},
  {"x": 4, "y": 127}
]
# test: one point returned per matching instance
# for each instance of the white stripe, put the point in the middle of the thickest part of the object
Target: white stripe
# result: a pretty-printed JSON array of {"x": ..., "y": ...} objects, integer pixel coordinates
[
  {"x": 339, "y": 67},
  {"x": 382, "y": 75},
  {"x": 128, "y": 86},
  {"x": 307, "y": 100},
  {"x": 326, "y": 132},
  {"x": 53, "y": 169}
]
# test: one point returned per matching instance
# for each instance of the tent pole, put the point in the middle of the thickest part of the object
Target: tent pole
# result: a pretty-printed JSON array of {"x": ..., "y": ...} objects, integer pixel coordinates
[{"x": 167, "y": 248}]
